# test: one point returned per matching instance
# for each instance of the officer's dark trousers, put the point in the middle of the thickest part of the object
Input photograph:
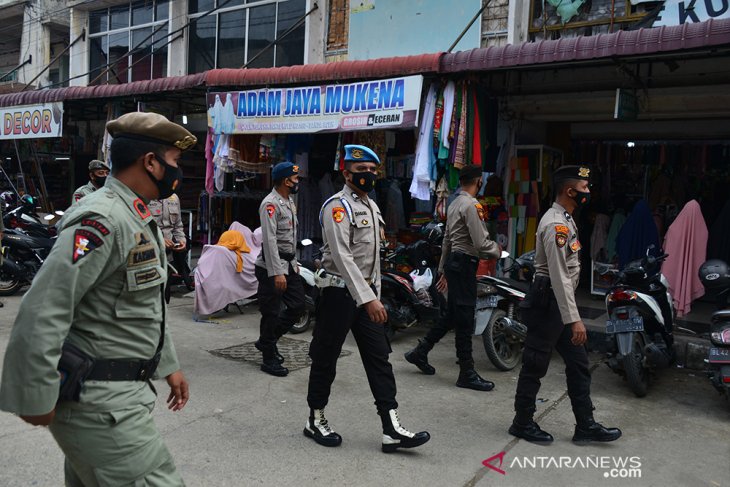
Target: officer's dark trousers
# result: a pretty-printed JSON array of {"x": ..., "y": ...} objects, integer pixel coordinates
[
  {"x": 338, "y": 314},
  {"x": 275, "y": 321},
  {"x": 461, "y": 276},
  {"x": 545, "y": 332}
]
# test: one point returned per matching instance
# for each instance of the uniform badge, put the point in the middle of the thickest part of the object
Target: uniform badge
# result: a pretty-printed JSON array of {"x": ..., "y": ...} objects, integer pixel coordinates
[
  {"x": 141, "y": 208},
  {"x": 584, "y": 172},
  {"x": 338, "y": 214},
  {"x": 84, "y": 243},
  {"x": 575, "y": 246},
  {"x": 480, "y": 211},
  {"x": 364, "y": 222},
  {"x": 143, "y": 253},
  {"x": 87, "y": 222},
  {"x": 357, "y": 154},
  {"x": 271, "y": 210},
  {"x": 561, "y": 235}
]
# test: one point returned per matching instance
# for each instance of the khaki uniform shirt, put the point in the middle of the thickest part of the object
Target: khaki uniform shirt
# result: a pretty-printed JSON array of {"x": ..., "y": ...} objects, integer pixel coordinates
[
  {"x": 557, "y": 255},
  {"x": 167, "y": 215},
  {"x": 82, "y": 191},
  {"x": 466, "y": 230},
  {"x": 278, "y": 233},
  {"x": 352, "y": 228},
  {"x": 100, "y": 289}
]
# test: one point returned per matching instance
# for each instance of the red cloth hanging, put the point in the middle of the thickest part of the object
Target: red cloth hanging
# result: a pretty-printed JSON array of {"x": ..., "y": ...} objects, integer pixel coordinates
[{"x": 476, "y": 149}]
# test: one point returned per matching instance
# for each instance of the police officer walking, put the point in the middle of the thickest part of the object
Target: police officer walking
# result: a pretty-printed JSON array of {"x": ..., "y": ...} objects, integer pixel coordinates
[
  {"x": 93, "y": 321},
  {"x": 552, "y": 317},
  {"x": 352, "y": 228},
  {"x": 98, "y": 172},
  {"x": 466, "y": 241},
  {"x": 276, "y": 267},
  {"x": 167, "y": 215}
]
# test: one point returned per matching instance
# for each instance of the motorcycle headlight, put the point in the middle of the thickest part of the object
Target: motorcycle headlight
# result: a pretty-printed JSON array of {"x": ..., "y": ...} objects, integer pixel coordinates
[{"x": 721, "y": 337}]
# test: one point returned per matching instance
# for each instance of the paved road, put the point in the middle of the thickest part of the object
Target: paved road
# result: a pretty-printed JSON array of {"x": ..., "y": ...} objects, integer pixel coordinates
[{"x": 243, "y": 427}]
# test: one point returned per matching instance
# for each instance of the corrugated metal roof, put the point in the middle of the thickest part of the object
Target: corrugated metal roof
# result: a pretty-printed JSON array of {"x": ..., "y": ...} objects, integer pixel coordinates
[{"x": 618, "y": 44}]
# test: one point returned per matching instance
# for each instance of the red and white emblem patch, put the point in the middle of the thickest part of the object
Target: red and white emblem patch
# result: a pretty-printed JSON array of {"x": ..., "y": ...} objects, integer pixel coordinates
[{"x": 271, "y": 210}]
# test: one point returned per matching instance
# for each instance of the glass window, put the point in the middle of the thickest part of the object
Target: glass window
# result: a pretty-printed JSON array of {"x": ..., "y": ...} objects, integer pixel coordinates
[
  {"x": 99, "y": 49},
  {"x": 118, "y": 47},
  {"x": 98, "y": 21},
  {"x": 142, "y": 12},
  {"x": 199, "y": 6},
  {"x": 159, "y": 56},
  {"x": 162, "y": 10},
  {"x": 142, "y": 55},
  {"x": 201, "y": 45},
  {"x": 119, "y": 17},
  {"x": 261, "y": 33},
  {"x": 232, "y": 39},
  {"x": 290, "y": 49}
]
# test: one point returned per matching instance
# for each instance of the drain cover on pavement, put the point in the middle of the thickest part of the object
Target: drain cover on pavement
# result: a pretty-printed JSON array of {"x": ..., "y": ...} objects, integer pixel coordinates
[{"x": 295, "y": 352}]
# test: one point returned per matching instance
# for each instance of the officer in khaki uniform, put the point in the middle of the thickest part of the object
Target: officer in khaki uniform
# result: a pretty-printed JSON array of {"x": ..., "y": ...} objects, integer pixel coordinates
[
  {"x": 276, "y": 267},
  {"x": 465, "y": 242},
  {"x": 98, "y": 297},
  {"x": 352, "y": 228},
  {"x": 98, "y": 172},
  {"x": 552, "y": 317},
  {"x": 169, "y": 220}
]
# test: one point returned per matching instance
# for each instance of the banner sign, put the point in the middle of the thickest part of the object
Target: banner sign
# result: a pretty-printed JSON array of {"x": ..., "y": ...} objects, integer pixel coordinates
[
  {"x": 383, "y": 104},
  {"x": 32, "y": 121},
  {"x": 678, "y": 12}
]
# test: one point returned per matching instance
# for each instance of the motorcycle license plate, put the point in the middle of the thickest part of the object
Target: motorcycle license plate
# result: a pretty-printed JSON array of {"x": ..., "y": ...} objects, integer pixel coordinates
[
  {"x": 622, "y": 326},
  {"x": 719, "y": 355},
  {"x": 487, "y": 301}
]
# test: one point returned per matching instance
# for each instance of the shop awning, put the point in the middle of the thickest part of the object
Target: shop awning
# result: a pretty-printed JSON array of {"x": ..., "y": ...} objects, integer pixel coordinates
[{"x": 619, "y": 44}]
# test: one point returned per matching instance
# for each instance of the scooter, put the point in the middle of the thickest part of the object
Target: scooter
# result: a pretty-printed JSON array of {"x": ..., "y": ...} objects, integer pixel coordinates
[
  {"x": 497, "y": 317},
  {"x": 641, "y": 321},
  {"x": 24, "y": 217},
  {"x": 23, "y": 256},
  {"x": 715, "y": 275}
]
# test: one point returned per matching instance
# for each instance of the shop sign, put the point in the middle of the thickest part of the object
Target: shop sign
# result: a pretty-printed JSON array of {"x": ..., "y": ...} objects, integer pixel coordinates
[
  {"x": 678, "y": 12},
  {"x": 32, "y": 121},
  {"x": 627, "y": 105},
  {"x": 382, "y": 104}
]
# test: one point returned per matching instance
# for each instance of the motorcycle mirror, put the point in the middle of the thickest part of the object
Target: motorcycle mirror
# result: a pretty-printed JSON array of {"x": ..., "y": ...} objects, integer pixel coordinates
[
  {"x": 49, "y": 217},
  {"x": 306, "y": 242},
  {"x": 504, "y": 255},
  {"x": 59, "y": 213}
]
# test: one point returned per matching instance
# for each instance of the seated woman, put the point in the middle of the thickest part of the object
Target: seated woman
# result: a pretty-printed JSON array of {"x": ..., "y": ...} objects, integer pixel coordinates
[{"x": 225, "y": 271}]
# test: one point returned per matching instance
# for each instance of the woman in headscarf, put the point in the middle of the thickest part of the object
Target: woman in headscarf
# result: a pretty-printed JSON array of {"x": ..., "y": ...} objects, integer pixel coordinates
[{"x": 636, "y": 235}]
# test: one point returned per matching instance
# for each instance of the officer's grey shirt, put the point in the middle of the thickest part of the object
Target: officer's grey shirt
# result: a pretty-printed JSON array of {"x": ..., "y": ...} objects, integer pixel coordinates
[
  {"x": 351, "y": 238},
  {"x": 99, "y": 288},
  {"x": 168, "y": 217},
  {"x": 557, "y": 256},
  {"x": 278, "y": 232},
  {"x": 466, "y": 230},
  {"x": 82, "y": 191}
]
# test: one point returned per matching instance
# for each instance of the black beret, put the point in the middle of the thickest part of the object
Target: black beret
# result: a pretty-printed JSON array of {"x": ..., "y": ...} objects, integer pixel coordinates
[
  {"x": 581, "y": 172},
  {"x": 470, "y": 172}
]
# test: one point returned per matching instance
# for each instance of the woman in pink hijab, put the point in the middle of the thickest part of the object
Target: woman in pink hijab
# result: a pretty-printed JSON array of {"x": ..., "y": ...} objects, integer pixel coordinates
[{"x": 686, "y": 245}]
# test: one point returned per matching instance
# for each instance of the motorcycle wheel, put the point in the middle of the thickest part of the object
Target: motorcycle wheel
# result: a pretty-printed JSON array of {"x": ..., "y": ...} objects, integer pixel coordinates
[
  {"x": 9, "y": 285},
  {"x": 503, "y": 353},
  {"x": 303, "y": 324},
  {"x": 636, "y": 374}
]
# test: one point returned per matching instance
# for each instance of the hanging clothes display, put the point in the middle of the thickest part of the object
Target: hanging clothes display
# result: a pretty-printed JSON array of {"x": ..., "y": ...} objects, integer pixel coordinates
[
  {"x": 617, "y": 222},
  {"x": 209, "y": 167},
  {"x": 718, "y": 245},
  {"x": 599, "y": 238},
  {"x": 420, "y": 186},
  {"x": 686, "y": 246},
  {"x": 636, "y": 234}
]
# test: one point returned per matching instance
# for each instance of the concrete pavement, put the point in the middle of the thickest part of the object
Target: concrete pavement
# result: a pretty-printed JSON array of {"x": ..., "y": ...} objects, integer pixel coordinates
[{"x": 243, "y": 427}]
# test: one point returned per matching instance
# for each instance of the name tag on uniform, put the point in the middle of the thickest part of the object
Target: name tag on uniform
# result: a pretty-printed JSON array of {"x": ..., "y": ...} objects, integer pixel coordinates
[{"x": 144, "y": 253}]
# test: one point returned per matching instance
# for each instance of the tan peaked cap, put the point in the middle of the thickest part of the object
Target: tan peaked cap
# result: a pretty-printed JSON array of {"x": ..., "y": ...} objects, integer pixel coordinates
[
  {"x": 151, "y": 127},
  {"x": 97, "y": 164}
]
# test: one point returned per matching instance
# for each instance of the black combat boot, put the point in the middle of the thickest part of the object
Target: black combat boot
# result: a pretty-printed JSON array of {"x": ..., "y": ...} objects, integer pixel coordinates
[
  {"x": 319, "y": 429},
  {"x": 277, "y": 355},
  {"x": 523, "y": 426},
  {"x": 588, "y": 430},
  {"x": 419, "y": 357},
  {"x": 469, "y": 379},
  {"x": 396, "y": 436}
]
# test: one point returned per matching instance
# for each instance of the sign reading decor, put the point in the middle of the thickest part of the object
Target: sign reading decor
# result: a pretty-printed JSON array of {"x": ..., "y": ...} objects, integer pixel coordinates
[
  {"x": 390, "y": 103},
  {"x": 32, "y": 121}
]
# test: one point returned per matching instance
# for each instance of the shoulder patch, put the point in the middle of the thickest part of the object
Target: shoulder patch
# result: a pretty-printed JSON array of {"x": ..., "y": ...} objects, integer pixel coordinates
[
  {"x": 97, "y": 225},
  {"x": 561, "y": 235},
  {"x": 480, "y": 210},
  {"x": 575, "y": 246},
  {"x": 562, "y": 229},
  {"x": 141, "y": 208},
  {"x": 338, "y": 214},
  {"x": 85, "y": 242},
  {"x": 270, "y": 210}
]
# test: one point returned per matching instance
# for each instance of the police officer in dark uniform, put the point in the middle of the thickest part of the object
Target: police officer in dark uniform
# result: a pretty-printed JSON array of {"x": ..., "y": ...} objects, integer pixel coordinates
[
  {"x": 276, "y": 267},
  {"x": 552, "y": 318},
  {"x": 466, "y": 241}
]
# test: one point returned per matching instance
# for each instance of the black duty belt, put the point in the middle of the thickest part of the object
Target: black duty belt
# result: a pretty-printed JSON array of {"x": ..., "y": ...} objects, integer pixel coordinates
[
  {"x": 124, "y": 369},
  {"x": 463, "y": 257},
  {"x": 287, "y": 256}
]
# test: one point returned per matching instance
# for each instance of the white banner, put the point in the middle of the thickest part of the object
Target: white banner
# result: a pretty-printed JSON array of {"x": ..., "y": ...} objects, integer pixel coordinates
[
  {"x": 32, "y": 121},
  {"x": 678, "y": 12},
  {"x": 382, "y": 104}
]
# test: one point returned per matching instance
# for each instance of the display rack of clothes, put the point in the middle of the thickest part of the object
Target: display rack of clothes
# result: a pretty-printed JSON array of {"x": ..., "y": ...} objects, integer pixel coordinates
[{"x": 217, "y": 211}]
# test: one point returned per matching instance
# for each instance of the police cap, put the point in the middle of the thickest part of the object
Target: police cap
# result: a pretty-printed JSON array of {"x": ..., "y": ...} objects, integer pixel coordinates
[
  {"x": 97, "y": 164},
  {"x": 360, "y": 153},
  {"x": 151, "y": 127},
  {"x": 581, "y": 172},
  {"x": 284, "y": 170}
]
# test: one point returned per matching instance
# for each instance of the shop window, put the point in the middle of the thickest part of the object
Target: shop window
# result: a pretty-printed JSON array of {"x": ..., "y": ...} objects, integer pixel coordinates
[
  {"x": 113, "y": 31},
  {"x": 243, "y": 33}
]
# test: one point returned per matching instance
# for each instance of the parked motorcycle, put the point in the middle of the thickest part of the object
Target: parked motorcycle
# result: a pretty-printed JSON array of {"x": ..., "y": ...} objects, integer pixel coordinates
[
  {"x": 641, "y": 321},
  {"x": 23, "y": 256},
  {"x": 25, "y": 217},
  {"x": 715, "y": 276},
  {"x": 497, "y": 317}
]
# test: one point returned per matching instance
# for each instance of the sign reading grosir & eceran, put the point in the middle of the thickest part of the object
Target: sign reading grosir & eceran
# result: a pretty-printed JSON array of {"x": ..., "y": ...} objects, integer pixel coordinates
[
  {"x": 380, "y": 104},
  {"x": 32, "y": 121}
]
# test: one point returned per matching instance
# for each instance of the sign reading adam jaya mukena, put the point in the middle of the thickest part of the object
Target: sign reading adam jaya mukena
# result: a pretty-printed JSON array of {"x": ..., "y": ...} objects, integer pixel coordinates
[{"x": 389, "y": 103}]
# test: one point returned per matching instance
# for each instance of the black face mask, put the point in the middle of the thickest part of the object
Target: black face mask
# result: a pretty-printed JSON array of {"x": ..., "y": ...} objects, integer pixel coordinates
[
  {"x": 99, "y": 181},
  {"x": 295, "y": 188},
  {"x": 170, "y": 181},
  {"x": 581, "y": 198},
  {"x": 364, "y": 181}
]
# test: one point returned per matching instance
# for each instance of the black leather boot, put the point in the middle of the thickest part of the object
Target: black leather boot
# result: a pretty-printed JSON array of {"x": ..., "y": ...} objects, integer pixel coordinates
[
  {"x": 469, "y": 379},
  {"x": 419, "y": 357},
  {"x": 318, "y": 429},
  {"x": 523, "y": 426},
  {"x": 277, "y": 355},
  {"x": 272, "y": 366},
  {"x": 588, "y": 430},
  {"x": 396, "y": 436}
]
